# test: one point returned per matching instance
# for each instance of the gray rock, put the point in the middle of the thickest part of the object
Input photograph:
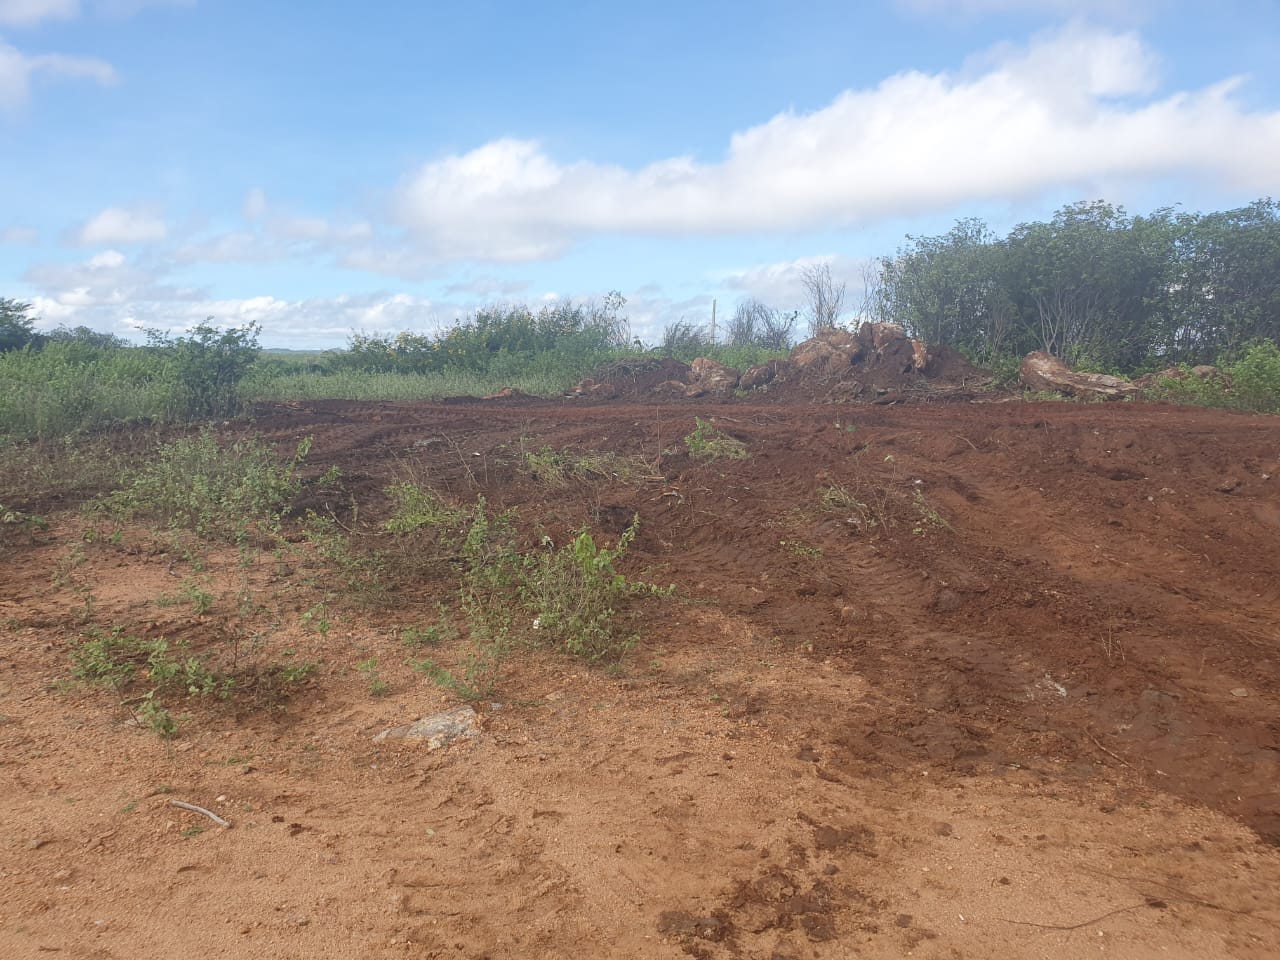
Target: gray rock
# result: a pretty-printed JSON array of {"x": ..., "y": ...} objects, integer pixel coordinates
[{"x": 460, "y": 723}]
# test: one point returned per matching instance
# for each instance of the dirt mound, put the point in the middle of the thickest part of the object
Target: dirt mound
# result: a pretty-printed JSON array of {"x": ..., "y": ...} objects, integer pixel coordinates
[
  {"x": 632, "y": 379},
  {"x": 877, "y": 364}
]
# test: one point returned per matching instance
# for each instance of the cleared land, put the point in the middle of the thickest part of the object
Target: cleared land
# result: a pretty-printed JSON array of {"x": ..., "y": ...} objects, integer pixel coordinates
[{"x": 946, "y": 680}]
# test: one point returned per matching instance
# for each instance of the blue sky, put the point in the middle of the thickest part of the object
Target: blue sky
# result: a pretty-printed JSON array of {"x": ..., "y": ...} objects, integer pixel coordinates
[{"x": 321, "y": 167}]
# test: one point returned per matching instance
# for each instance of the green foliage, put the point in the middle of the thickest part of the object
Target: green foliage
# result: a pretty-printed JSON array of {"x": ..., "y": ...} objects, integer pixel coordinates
[
  {"x": 557, "y": 467},
  {"x": 75, "y": 380},
  {"x": 123, "y": 663},
  {"x": 192, "y": 592},
  {"x": 17, "y": 329},
  {"x": 1251, "y": 383},
  {"x": 373, "y": 678},
  {"x": 415, "y": 638},
  {"x": 1255, "y": 378},
  {"x": 478, "y": 678},
  {"x": 492, "y": 337},
  {"x": 574, "y": 592},
  {"x": 28, "y": 523},
  {"x": 1095, "y": 286},
  {"x": 927, "y": 516},
  {"x": 707, "y": 442},
  {"x": 221, "y": 491},
  {"x": 417, "y": 507},
  {"x": 208, "y": 366}
]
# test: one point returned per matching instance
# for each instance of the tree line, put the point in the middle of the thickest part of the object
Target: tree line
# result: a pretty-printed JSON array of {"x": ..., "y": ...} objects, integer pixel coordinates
[{"x": 1093, "y": 286}]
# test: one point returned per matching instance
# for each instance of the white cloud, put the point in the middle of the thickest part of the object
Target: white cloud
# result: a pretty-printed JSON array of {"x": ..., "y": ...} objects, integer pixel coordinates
[
  {"x": 1065, "y": 8},
  {"x": 19, "y": 235},
  {"x": 21, "y": 13},
  {"x": 120, "y": 9},
  {"x": 1071, "y": 109},
  {"x": 24, "y": 13},
  {"x": 117, "y": 225},
  {"x": 17, "y": 69},
  {"x": 107, "y": 279},
  {"x": 255, "y": 204},
  {"x": 781, "y": 285},
  {"x": 318, "y": 230},
  {"x": 277, "y": 238},
  {"x": 110, "y": 292},
  {"x": 487, "y": 287}
]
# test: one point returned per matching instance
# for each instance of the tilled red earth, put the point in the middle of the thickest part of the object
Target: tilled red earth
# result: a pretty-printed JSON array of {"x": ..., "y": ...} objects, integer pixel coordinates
[{"x": 952, "y": 680}]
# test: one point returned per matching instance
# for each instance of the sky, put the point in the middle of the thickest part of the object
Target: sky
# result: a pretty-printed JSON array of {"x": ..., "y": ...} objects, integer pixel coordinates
[{"x": 324, "y": 167}]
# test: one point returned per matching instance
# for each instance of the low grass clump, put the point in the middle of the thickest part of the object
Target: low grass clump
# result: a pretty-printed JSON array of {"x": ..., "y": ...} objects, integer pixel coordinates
[
  {"x": 707, "y": 442},
  {"x": 568, "y": 598},
  {"x": 124, "y": 664},
  {"x": 221, "y": 491},
  {"x": 558, "y": 467},
  {"x": 153, "y": 675}
]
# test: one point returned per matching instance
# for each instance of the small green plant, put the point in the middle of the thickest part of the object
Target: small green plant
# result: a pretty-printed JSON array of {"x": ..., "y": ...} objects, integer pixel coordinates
[
  {"x": 295, "y": 674},
  {"x": 707, "y": 442},
  {"x": 156, "y": 717},
  {"x": 28, "y": 523},
  {"x": 363, "y": 573},
  {"x": 317, "y": 619},
  {"x": 192, "y": 592},
  {"x": 122, "y": 662},
  {"x": 574, "y": 592},
  {"x": 798, "y": 548},
  {"x": 415, "y": 638},
  {"x": 927, "y": 516},
  {"x": 64, "y": 570},
  {"x": 1250, "y": 383},
  {"x": 369, "y": 670},
  {"x": 479, "y": 677}
]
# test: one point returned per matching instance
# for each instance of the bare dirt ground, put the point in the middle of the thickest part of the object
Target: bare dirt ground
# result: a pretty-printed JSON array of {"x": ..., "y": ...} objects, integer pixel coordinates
[{"x": 981, "y": 680}]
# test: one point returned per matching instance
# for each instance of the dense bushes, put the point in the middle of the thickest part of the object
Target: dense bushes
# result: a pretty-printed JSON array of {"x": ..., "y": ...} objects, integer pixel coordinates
[
  {"x": 494, "y": 336},
  {"x": 74, "y": 381},
  {"x": 1250, "y": 383},
  {"x": 1094, "y": 286}
]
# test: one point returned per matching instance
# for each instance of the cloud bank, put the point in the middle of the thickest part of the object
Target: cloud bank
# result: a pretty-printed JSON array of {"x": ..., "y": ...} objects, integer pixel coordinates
[{"x": 1074, "y": 107}]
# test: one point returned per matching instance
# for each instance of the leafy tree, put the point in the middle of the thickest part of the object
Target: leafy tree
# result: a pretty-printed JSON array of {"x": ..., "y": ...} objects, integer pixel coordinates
[
  {"x": 17, "y": 329},
  {"x": 951, "y": 289}
]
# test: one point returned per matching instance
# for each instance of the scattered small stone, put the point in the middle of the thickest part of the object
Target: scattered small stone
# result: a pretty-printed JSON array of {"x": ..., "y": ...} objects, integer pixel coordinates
[
  {"x": 902, "y": 920},
  {"x": 1241, "y": 692},
  {"x": 1228, "y": 484},
  {"x": 942, "y": 829}
]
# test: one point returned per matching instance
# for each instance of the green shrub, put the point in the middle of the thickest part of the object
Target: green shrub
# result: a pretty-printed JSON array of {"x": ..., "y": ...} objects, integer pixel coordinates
[
  {"x": 208, "y": 366},
  {"x": 574, "y": 592},
  {"x": 219, "y": 491},
  {"x": 1255, "y": 378},
  {"x": 1250, "y": 383}
]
